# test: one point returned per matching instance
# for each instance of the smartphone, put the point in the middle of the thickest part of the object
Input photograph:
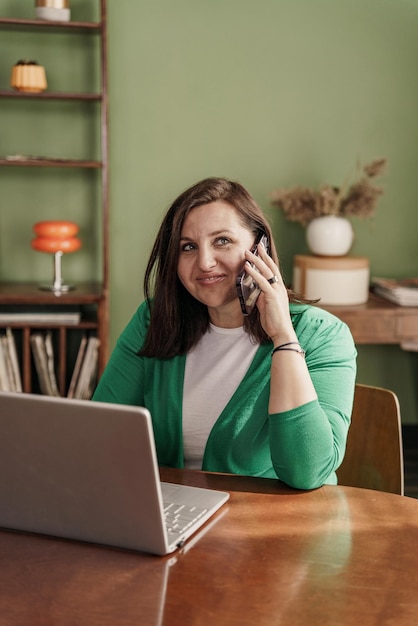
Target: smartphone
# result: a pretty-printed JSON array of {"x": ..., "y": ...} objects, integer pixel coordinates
[{"x": 247, "y": 289}]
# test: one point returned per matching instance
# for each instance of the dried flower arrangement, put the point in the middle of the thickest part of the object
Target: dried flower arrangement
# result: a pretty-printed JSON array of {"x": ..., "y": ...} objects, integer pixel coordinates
[{"x": 302, "y": 204}]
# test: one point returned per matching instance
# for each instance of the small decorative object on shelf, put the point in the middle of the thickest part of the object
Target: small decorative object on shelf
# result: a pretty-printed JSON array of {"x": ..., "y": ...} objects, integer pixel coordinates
[
  {"x": 329, "y": 274},
  {"x": 302, "y": 204},
  {"x": 28, "y": 76},
  {"x": 402, "y": 291},
  {"x": 329, "y": 235},
  {"x": 58, "y": 238},
  {"x": 339, "y": 280},
  {"x": 307, "y": 206},
  {"x": 53, "y": 10}
]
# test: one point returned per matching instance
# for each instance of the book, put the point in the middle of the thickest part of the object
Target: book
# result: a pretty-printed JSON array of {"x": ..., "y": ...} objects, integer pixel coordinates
[
  {"x": 88, "y": 372},
  {"x": 400, "y": 291},
  {"x": 31, "y": 317},
  {"x": 50, "y": 363},
  {"x": 44, "y": 363},
  {"x": 16, "y": 380},
  {"x": 10, "y": 379},
  {"x": 77, "y": 367},
  {"x": 4, "y": 371}
]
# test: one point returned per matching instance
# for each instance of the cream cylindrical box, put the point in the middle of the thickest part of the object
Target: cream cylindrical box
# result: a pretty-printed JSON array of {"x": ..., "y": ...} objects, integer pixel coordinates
[
  {"x": 334, "y": 280},
  {"x": 53, "y": 10}
]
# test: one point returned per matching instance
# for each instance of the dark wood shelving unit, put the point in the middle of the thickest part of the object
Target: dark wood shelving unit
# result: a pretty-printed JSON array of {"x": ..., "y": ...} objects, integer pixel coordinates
[{"x": 92, "y": 298}]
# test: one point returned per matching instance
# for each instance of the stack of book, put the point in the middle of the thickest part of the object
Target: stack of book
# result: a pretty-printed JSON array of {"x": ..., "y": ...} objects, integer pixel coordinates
[
  {"x": 401, "y": 291},
  {"x": 10, "y": 379},
  {"x": 84, "y": 375},
  {"x": 43, "y": 356}
]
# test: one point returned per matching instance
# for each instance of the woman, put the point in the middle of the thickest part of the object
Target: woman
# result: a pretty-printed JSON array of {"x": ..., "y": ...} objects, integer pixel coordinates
[{"x": 267, "y": 394}]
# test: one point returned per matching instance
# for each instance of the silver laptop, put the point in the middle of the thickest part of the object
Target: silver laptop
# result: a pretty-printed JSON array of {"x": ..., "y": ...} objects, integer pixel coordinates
[{"x": 88, "y": 471}]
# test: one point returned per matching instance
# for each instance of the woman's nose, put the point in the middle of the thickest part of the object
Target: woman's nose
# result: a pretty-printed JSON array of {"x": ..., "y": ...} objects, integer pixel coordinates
[{"x": 207, "y": 258}]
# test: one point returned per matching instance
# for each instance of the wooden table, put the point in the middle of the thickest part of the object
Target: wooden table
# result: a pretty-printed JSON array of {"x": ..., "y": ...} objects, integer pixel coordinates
[
  {"x": 379, "y": 321},
  {"x": 272, "y": 556}
]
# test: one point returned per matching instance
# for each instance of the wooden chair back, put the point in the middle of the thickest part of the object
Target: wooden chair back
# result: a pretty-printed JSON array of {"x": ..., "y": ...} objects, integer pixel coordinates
[{"x": 374, "y": 454}]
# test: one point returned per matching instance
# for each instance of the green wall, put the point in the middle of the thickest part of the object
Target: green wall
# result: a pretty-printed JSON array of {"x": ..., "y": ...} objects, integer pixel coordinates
[{"x": 271, "y": 93}]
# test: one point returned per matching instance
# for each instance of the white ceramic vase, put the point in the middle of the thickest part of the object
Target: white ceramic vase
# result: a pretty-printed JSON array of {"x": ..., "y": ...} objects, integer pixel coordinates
[{"x": 329, "y": 235}]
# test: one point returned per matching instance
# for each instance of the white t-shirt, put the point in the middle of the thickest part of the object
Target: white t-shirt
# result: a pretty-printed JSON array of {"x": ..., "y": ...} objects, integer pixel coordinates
[{"x": 214, "y": 369}]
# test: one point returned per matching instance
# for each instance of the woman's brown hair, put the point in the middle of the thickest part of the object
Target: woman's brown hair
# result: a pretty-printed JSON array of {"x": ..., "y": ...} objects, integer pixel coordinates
[{"x": 178, "y": 320}]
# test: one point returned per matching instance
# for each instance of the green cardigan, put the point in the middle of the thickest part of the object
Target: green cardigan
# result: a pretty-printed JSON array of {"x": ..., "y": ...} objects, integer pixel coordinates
[{"x": 302, "y": 447}]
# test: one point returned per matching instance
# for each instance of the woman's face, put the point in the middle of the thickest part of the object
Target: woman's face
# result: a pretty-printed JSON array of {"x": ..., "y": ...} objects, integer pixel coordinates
[{"x": 212, "y": 245}]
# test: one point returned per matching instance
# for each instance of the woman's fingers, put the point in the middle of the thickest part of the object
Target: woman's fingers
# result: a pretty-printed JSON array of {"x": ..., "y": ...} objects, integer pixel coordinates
[{"x": 265, "y": 266}]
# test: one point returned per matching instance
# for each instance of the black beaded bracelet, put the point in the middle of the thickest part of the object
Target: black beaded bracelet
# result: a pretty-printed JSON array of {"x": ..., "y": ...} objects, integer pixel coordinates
[{"x": 285, "y": 346}]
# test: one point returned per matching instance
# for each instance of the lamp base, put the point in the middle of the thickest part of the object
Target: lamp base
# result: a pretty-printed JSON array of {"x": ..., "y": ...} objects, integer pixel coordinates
[
  {"x": 57, "y": 288},
  {"x": 57, "y": 285}
]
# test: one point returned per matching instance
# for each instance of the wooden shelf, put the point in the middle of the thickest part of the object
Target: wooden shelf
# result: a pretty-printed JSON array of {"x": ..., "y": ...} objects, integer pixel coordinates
[
  {"x": 23, "y": 24},
  {"x": 30, "y": 293},
  {"x": 49, "y": 162},
  {"x": 51, "y": 95}
]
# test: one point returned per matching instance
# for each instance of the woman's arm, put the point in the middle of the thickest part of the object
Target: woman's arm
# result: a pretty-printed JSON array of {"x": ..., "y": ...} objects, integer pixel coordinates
[
  {"x": 122, "y": 381},
  {"x": 291, "y": 384},
  {"x": 307, "y": 442}
]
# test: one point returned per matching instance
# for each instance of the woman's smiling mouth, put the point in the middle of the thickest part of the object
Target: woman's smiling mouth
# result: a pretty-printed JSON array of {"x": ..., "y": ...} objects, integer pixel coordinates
[{"x": 210, "y": 280}]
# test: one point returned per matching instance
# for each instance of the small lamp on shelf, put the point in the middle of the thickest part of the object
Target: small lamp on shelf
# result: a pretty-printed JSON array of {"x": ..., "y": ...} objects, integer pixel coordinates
[{"x": 57, "y": 238}]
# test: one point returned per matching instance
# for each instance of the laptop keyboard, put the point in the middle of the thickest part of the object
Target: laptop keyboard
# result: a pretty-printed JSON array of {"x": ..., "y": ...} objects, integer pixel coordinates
[{"x": 179, "y": 517}]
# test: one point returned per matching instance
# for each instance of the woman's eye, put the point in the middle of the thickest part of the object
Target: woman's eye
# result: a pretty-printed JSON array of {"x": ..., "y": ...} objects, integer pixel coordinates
[
  {"x": 187, "y": 247},
  {"x": 222, "y": 241}
]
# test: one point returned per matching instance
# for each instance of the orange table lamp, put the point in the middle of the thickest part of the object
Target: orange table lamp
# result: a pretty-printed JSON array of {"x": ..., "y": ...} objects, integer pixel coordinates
[{"x": 57, "y": 238}]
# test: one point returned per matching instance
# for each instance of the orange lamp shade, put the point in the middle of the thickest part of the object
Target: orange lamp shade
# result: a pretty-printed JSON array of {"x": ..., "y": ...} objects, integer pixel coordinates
[
  {"x": 52, "y": 244},
  {"x": 55, "y": 229},
  {"x": 56, "y": 236}
]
